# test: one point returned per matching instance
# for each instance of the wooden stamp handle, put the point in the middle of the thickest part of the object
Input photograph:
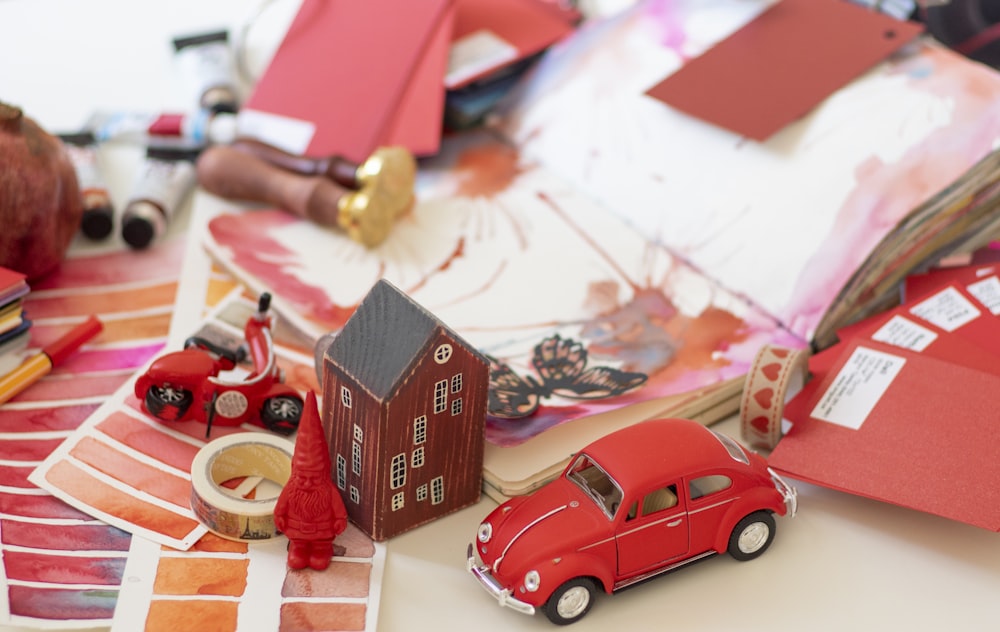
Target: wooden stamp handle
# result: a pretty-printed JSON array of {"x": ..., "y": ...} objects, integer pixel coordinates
[
  {"x": 338, "y": 169},
  {"x": 239, "y": 175}
]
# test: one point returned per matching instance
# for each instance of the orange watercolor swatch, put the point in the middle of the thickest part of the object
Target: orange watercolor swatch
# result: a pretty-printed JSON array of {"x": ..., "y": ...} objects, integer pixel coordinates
[
  {"x": 149, "y": 440},
  {"x": 191, "y": 616},
  {"x": 153, "y": 481},
  {"x": 115, "y": 502},
  {"x": 105, "y": 303},
  {"x": 201, "y": 576}
]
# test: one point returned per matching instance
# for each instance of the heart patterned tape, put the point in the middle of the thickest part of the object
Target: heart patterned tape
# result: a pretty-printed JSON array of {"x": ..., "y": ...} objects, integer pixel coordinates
[{"x": 776, "y": 375}]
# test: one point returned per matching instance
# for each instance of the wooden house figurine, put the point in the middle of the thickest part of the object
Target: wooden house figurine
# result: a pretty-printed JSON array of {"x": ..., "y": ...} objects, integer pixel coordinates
[{"x": 404, "y": 410}]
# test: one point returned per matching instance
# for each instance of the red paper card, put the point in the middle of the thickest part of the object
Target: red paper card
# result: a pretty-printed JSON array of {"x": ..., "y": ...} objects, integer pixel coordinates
[
  {"x": 782, "y": 64},
  {"x": 918, "y": 285},
  {"x": 364, "y": 74},
  {"x": 491, "y": 34},
  {"x": 893, "y": 425}
]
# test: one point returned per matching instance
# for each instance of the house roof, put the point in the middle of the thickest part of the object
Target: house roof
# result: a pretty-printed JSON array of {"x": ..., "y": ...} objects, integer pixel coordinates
[{"x": 387, "y": 333}]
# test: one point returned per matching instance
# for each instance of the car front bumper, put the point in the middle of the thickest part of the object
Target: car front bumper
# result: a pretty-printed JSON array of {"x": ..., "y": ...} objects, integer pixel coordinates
[
  {"x": 787, "y": 492},
  {"x": 504, "y": 596}
]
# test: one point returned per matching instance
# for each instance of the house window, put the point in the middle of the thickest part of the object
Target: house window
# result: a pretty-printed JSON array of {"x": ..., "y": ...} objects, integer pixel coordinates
[
  {"x": 456, "y": 383},
  {"x": 341, "y": 471},
  {"x": 345, "y": 397},
  {"x": 420, "y": 429},
  {"x": 441, "y": 396},
  {"x": 355, "y": 495},
  {"x": 442, "y": 354},
  {"x": 397, "y": 501},
  {"x": 356, "y": 465},
  {"x": 359, "y": 435},
  {"x": 422, "y": 492},
  {"x": 418, "y": 457},
  {"x": 456, "y": 406},
  {"x": 397, "y": 471},
  {"x": 437, "y": 490}
]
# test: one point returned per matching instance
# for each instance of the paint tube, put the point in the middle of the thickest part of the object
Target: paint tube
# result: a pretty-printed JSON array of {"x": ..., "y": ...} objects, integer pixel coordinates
[
  {"x": 98, "y": 211},
  {"x": 165, "y": 179},
  {"x": 200, "y": 127},
  {"x": 206, "y": 64}
]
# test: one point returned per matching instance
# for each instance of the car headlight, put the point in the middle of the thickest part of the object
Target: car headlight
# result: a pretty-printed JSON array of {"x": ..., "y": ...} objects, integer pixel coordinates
[
  {"x": 532, "y": 580},
  {"x": 485, "y": 532}
]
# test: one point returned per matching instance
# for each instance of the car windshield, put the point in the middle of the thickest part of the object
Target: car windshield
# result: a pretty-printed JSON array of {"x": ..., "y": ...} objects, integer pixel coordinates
[{"x": 596, "y": 483}]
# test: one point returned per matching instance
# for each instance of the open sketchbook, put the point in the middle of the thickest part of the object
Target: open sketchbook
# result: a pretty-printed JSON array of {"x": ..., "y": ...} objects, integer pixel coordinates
[{"x": 659, "y": 243}]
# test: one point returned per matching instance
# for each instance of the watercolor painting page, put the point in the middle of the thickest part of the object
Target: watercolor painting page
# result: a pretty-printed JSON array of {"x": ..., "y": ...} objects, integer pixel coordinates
[
  {"x": 133, "y": 471},
  {"x": 61, "y": 567},
  {"x": 784, "y": 222},
  {"x": 508, "y": 255}
]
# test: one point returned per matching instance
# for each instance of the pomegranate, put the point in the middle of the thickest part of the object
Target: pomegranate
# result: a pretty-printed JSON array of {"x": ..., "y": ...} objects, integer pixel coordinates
[{"x": 40, "y": 200}]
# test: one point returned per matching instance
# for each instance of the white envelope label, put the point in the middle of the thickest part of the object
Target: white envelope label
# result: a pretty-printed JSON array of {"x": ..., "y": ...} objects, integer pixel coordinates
[
  {"x": 947, "y": 309},
  {"x": 902, "y": 332},
  {"x": 987, "y": 292},
  {"x": 858, "y": 387}
]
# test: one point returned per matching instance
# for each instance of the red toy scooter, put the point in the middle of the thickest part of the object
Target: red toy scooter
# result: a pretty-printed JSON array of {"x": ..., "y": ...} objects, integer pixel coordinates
[{"x": 185, "y": 385}]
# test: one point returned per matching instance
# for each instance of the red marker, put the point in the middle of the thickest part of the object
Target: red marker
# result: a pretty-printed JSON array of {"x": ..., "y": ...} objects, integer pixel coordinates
[{"x": 38, "y": 366}]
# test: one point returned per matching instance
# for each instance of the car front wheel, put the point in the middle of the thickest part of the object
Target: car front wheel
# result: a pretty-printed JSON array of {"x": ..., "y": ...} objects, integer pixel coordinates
[
  {"x": 751, "y": 536},
  {"x": 570, "y": 601}
]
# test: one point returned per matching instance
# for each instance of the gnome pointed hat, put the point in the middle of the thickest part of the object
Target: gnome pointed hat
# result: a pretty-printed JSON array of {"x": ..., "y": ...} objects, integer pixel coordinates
[{"x": 311, "y": 450}]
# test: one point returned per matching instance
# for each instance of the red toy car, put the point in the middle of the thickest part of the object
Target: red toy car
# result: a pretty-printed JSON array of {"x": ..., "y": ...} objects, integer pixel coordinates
[
  {"x": 187, "y": 384},
  {"x": 639, "y": 502}
]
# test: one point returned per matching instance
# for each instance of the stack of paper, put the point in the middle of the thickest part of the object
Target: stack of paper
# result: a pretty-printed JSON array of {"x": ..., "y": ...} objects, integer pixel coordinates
[
  {"x": 14, "y": 327},
  {"x": 351, "y": 76},
  {"x": 903, "y": 409}
]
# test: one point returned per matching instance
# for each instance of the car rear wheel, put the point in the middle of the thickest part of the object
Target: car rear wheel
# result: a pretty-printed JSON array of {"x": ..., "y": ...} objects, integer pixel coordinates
[
  {"x": 167, "y": 402},
  {"x": 570, "y": 601},
  {"x": 281, "y": 414},
  {"x": 752, "y": 536}
]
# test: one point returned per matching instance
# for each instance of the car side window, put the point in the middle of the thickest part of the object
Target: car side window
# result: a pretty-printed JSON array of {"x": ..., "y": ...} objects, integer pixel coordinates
[
  {"x": 655, "y": 501},
  {"x": 705, "y": 485}
]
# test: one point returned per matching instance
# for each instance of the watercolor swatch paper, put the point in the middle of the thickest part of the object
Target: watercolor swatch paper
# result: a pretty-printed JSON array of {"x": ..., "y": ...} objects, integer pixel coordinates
[
  {"x": 132, "y": 470},
  {"x": 61, "y": 567},
  {"x": 229, "y": 586}
]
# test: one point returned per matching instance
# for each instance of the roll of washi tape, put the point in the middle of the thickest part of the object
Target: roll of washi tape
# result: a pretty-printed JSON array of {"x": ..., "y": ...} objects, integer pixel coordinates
[
  {"x": 254, "y": 455},
  {"x": 777, "y": 374}
]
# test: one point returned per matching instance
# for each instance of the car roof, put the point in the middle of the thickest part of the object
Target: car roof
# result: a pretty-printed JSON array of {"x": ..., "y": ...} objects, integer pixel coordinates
[{"x": 647, "y": 452}]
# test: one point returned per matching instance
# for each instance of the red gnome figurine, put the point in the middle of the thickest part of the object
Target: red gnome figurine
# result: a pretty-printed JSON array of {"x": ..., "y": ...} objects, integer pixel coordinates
[{"x": 309, "y": 509}]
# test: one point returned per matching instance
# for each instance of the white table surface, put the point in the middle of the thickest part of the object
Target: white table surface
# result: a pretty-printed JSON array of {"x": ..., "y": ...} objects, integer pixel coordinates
[{"x": 844, "y": 563}]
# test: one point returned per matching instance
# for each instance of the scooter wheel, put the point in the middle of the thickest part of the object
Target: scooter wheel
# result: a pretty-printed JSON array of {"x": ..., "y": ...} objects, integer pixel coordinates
[
  {"x": 165, "y": 402},
  {"x": 281, "y": 414}
]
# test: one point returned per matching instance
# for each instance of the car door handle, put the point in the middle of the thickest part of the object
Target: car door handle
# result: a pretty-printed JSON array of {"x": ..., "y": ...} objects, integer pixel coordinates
[{"x": 675, "y": 522}]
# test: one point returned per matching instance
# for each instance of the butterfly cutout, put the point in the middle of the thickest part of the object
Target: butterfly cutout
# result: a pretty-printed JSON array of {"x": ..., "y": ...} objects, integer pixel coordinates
[{"x": 561, "y": 364}]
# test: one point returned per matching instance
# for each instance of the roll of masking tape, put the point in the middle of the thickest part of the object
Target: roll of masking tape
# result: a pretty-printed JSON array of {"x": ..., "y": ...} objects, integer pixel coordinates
[
  {"x": 777, "y": 374},
  {"x": 250, "y": 455}
]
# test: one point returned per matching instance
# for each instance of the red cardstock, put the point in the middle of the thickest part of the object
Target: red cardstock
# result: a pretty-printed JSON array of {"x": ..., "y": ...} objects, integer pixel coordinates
[
  {"x": 921, "y": 284},
  {"x": 782, "y": 64},
  {"x": 529, "y": 26},
  {"x": 365, "y": 73},
  {"x": 929, "y": 443}
]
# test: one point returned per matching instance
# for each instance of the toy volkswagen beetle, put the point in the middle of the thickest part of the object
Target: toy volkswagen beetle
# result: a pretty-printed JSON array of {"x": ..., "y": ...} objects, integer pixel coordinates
[
  {"x": 639, "y": 502},
  {"x": 188, "y": 384}
]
